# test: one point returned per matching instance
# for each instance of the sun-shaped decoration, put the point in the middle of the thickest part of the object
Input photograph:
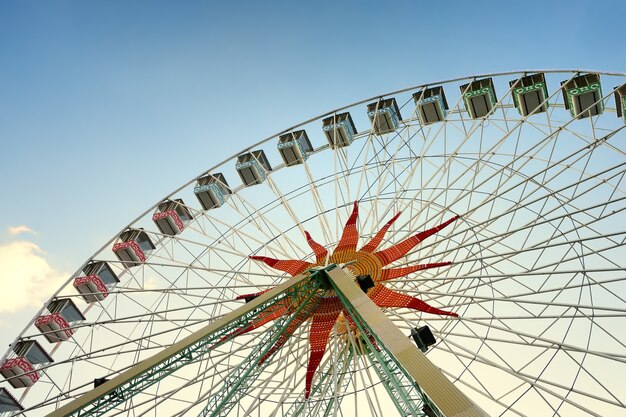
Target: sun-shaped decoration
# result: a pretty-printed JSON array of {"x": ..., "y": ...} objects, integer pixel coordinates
[{"x": 325, "y": 309}]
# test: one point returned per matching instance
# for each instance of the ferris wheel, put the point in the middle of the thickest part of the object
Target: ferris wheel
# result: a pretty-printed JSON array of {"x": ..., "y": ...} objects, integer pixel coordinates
[{"x": 450, "y": 249}]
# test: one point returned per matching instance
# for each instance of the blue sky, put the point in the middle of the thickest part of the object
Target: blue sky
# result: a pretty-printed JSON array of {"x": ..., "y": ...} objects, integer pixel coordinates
[{"x": 107, "y": 106}]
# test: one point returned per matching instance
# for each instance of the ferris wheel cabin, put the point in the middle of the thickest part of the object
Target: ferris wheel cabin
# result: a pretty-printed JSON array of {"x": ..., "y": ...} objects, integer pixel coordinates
[
  {"x": 8, "y": 403},
  {"x": 431, "y": 105},
  {"x": 99, "y": 278},
  {"x": 339, "y": 130},
  {"x": 530, "y": 94},
  {"x": 212, "y": 191},
  {"x": 95, "y": 284},
  {"x": 171, "y": 217},
  {"x": 21, "y": 368},
  {"x": 294, "y": 147},
  {"x": 253, "y": 167},
  {"x": 133, "y": 246},
  {"x": 479, "y": 97},
  {"x": 582, "y": 95},
  {"x": 57, "y": 326},
  {"x": 384, "y": 115}
]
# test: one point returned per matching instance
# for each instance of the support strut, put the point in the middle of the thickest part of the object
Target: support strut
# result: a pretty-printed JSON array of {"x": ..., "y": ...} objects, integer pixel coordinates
[
  {"x": 148, "y": 372},
  {"x": 398, "y": 359}
]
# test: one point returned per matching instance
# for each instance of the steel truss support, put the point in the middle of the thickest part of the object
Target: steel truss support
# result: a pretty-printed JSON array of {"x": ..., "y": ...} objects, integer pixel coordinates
[
  {"x": 323, "y": 406},
  {"x": 150, "y": 371},
  {"x": 409, "y": 377},
  {"x": 406, "y": 394},
  {"x": 239, "y": 381}
]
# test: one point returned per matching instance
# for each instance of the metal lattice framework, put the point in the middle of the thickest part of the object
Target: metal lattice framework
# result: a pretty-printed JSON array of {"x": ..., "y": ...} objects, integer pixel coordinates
[{"x": 532, "y": 162}]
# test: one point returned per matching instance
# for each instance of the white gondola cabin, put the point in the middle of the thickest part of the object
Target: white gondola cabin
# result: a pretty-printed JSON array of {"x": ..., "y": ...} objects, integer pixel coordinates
[
  {"x": 133, "y": 247},
  {"x": 8, "y": 403},
  {"x": 212, "y": 191},
  {"x": 339, "y": 130},
  {"x": 582, "y": 95},
  {"x": 479, "y": 97},
  {"x": 57, "y": 325},
  {"x": 620, "y": 101},
  {"x": 21, "y": 368},
  {"x": 530, "y": 94},
  {"x": 171, "y": 217},
  {"x": 99, "y": 278},
  {"x": 294, "y": 147},
  {"x": 432, "y": 105},
  {"x": 253, "y": 167},
  {"x": 384, "y": 115}
]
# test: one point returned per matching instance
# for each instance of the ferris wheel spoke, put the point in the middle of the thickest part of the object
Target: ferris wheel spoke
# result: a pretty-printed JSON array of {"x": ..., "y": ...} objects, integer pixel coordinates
[
  {"x": 341, "y": 183},
  {"x": 506, "y": 256},
  {"x": 481, "y": 299},
  {"x": 363, "y": 155},
  {"x": 287, "y": 360},
  {"x": 534, "y": 382},
  {"x": 264, "y": 226},
  {"x": 481, "y": 392},
  {"x": 514, "y": 297},
  {"x": 363, "y": 372},
  {"x": 374, "y": 405},
  {"x": 547, "y": 346},
  {"x": 528, "y": 338},
  {"x": 322, "y": 217},
  {"x": 472, "y": 359},
  {"x": 511, "y": 188},
  {"x": 379, "y": 179},
  {"x": 285, "y": 204},
  {"x": 553, "y": 245}
]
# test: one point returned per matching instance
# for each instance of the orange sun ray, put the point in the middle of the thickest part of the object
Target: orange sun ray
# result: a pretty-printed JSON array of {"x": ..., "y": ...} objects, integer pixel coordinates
[
  {"x": 319, "y": 250},
  {"x": 384, "y": 297},
  {"x": 398, "y": 250},
  {"x": 322, "y": 323},
  {"x": 271, "y": 314},
  {"x": 390, "y": 273},
  {"x": 252, "y": 295},
  {"x": 373, "y": 244},
  {"x": 284, "y": 336},
  {"x": 292, "y": 267},
  {"x": 350, "y": 236}
]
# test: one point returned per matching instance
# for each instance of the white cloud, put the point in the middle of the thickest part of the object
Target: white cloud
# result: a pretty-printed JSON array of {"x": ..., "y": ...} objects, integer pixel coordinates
[
  {"x": 16, "y": 230},
  {"x": 26, "y": 277}
]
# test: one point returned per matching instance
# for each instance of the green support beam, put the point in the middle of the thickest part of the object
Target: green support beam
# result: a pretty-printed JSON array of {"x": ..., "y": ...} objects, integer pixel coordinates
[
  {"x": 238, "y": 382},
  {"x": 396, "y": 353},
  {"x": 323, "y": 406},
  {"x": 124, "y": 386}
]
